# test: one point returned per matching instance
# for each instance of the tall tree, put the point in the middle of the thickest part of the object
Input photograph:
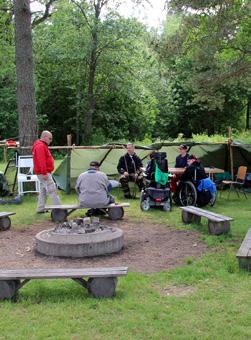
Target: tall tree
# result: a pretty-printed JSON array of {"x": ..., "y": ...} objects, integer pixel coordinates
[{"x": 26, "y": 101}]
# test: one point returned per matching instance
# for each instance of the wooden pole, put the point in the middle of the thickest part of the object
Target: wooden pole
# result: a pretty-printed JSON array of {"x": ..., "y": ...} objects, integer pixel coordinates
[
  {"x": 231, "y": 152},
  {"x": 5, "y": 150},
  {"x": 68, "y": 172}
]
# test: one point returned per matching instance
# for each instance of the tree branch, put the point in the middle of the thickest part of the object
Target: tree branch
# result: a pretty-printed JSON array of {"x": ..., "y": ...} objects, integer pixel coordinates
[
  {"x": 83, "y": 12},
  {"x": 46, "y": 14}
]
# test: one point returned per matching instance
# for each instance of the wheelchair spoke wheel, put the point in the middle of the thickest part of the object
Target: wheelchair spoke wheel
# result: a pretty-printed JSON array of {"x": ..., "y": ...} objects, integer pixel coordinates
[{"x": 187, "y": 194}]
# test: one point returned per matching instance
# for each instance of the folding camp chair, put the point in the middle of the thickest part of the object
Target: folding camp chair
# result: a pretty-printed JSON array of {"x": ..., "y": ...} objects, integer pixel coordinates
[
  {"x": 25, "y": 175},
  {"x": 238, "y": 184}
]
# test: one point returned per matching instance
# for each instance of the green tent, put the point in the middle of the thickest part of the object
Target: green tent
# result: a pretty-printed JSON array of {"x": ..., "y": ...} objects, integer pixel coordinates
[{"x": 210, "y": 154}]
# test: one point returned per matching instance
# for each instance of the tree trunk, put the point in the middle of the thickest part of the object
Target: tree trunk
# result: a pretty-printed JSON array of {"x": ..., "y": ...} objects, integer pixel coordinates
[
  {"x": 248, "y": 114},
  {"x": 26, "y": 101},
  {"x": 91, "y": 99},
  {"x": 79, "y": 103},
  {"x": 88, "y": 121}
]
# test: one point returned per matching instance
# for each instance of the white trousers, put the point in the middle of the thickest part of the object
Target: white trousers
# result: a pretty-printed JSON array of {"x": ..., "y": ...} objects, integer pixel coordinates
[{"x": 47, "y": 187}]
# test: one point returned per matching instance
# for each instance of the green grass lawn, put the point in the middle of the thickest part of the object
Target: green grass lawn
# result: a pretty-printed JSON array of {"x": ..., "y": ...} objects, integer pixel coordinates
[{"x": 217, "y": 305}]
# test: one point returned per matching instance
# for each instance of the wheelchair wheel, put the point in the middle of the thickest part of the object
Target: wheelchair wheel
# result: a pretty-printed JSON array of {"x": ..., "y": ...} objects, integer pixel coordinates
[
  {"x": 144, "y": 202},
  {"x": 167, "y": 205},
  {"x": 187, "y": 194}
]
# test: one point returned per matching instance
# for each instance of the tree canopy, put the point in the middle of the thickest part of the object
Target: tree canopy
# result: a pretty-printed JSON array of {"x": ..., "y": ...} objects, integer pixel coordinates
[{"x": 104, "y": 77}]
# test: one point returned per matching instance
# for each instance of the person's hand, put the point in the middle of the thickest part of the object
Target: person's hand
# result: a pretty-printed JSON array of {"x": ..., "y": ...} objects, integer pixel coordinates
[{"x": 125, "y": 174}]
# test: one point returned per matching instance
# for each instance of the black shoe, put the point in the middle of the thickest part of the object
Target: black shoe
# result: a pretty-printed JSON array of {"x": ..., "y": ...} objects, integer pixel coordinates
[
  {"x": 89, "y": 213},
  {"x": 42, "y": 211}
]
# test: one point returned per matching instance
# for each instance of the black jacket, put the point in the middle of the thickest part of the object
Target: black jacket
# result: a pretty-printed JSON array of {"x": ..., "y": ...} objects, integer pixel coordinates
[
  {"x": 194, "y": 172},
  {"x": 130, "y": 164},
  {"x": 181, "y": 162}
]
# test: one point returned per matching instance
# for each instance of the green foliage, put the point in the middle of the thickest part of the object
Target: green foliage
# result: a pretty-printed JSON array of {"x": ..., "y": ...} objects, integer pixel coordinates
[
  {"x": 205, "y": 59},
  {"x": 8, "y": 113},
  {"x": 123, "y": 95}
]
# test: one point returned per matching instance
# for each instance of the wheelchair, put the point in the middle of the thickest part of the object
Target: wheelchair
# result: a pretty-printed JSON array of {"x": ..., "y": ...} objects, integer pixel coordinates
[
  {"x": 188, "y": 194},
  {"x": 156, "y": 194}
]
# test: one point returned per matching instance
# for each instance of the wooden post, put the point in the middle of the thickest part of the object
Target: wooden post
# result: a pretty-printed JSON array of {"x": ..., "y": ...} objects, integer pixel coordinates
[
  {"x": 5, "y": 153},
  {"x": 68, "y": 172},
  {"x": 231, "y": 152}
]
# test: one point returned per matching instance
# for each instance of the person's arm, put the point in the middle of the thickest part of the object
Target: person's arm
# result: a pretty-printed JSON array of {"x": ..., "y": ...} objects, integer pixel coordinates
[
  {"x": 106, "y": 182},
  {"x": 121, "y": 166},
  {"x": 77, "y": 185},
  {"x": 188, "y": 174},
  {"x": 138, "y": 163}
]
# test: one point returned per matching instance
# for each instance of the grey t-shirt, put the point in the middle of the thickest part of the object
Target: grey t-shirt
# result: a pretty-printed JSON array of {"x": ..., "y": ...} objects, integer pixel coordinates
[{"x": 92, "y": 189}]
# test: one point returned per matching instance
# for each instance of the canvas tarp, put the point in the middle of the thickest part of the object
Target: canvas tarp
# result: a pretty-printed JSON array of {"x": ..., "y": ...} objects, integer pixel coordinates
[
  {"x": 80, "y": 159},
  {"x": 211, "y": 155}
]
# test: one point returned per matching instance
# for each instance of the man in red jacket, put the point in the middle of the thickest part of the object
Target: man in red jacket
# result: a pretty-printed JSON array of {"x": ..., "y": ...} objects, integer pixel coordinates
[{"x": 43, "y": 167}]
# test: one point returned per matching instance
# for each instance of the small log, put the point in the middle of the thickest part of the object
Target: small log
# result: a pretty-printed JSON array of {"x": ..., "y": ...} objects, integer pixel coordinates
[
  {"x": 188, "y": 217},
  {"x": 217, "y": 228},
  {"x": 102, "y": 287}
]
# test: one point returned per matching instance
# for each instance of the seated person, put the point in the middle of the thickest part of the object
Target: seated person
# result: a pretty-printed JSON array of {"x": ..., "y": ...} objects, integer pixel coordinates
[
  {"x": 150, "y": 167},
  {"x": 194, "y": 171},
  {"x": 181, "y": 160},
  {"x": 157, "y": 159},
  {"x": 130, "y": 169},
  {"x": 93, "y": 188}
]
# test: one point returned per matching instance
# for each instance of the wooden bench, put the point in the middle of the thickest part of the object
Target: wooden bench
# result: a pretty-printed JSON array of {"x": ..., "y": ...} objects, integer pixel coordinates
[
  {"x": 217, "y": 224},
  {"x": 5, "y": 221},
  {"x": 101, "y": 283},
  {"x": 59, "y": 213},
  {"x": 244, "y": 253}
]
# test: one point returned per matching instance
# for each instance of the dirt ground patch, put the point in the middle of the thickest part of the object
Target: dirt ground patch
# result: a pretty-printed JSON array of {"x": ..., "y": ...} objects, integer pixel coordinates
[{"x": 148, "y": 248}]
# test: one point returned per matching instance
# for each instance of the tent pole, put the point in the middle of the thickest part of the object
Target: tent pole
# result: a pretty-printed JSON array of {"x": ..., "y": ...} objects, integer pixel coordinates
[
  {"x": 68, "y": 176},
  {"x": 231, "y": 152}
]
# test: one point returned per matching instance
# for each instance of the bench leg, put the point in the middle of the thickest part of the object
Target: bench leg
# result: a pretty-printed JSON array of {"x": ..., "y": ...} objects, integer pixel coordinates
[
  {"x": 217, "y": 228},
  {"x": 100, "y": 287},
  {"x": 59, "y": 215},
  {"x": 5, "y": 223},
  {"x": 115, "y": 213},
  {"x": 8, "y": 289},
  {"x": 190, "y": 218}
]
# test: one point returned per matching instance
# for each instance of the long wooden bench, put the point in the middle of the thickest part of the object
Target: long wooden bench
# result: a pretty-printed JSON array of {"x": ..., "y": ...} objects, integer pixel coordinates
[
  {"x": 5, "y": 221},
  {"x": 244, "y": 253},
  {"x": 217, "y": 224},
  {"x": 101, "y": 283},
  {"x": 59, "y": 213}
]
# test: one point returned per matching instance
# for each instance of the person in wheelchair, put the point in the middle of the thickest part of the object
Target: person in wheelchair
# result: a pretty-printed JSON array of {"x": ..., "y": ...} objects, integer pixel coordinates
[
  {"x": 157, "y": 191},
  {"x": 195, "y": 188},
  {"x": 194, "y": 170}
]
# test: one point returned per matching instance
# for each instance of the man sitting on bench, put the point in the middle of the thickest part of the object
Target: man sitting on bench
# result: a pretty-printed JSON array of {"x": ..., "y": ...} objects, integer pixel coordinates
[
  {"x": 93, "y": 188},
  {"x": 130, "y": 170}
]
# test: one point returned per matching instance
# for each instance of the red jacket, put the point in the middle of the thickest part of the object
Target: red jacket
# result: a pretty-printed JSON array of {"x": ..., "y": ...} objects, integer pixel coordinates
[{"x": 42, "y": 158}]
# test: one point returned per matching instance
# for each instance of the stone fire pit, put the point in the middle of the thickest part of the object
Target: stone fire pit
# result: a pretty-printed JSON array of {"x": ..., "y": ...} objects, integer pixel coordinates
[{"x": 82, "y": 237}]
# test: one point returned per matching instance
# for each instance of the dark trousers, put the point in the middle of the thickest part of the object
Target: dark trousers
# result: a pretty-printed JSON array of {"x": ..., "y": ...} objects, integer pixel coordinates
[{"x": 124, "y": 180}]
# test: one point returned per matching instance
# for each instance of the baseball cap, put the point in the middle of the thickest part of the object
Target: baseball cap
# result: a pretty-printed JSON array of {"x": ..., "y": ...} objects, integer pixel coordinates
[
  {"x": 183, "y": 146},
  {"x": 94, "y": 163}
]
